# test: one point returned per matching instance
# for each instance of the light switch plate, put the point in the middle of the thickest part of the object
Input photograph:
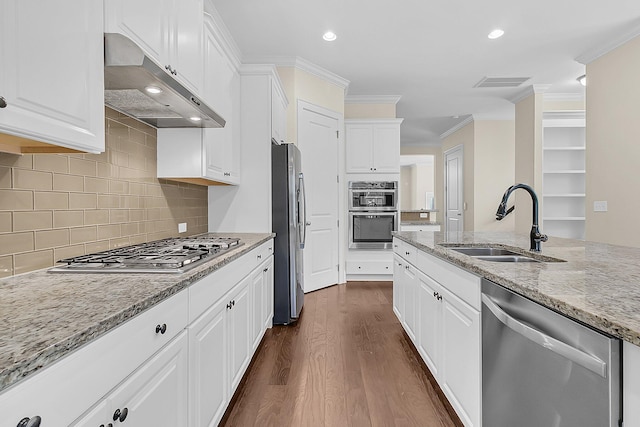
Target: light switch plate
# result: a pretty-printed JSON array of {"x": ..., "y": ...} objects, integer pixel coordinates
[
  {"x": 600, "y": 206},
  {"x": 182, "y": 227},
  {"x": 424, "y": 215}
]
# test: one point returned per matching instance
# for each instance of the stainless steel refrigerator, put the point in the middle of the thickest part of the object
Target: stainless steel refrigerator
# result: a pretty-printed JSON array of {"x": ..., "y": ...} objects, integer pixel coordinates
[{"x": 289, "y": 224}]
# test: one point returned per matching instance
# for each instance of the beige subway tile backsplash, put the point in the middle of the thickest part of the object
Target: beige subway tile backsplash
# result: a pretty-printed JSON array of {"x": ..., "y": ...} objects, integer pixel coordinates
[
  {"x": 55, "y": 206},
  {"x": 34, "y": 220}
]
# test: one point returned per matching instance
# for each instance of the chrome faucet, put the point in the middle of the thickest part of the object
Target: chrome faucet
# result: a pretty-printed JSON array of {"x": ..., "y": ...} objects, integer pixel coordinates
[{"x": 535, "y": 236}]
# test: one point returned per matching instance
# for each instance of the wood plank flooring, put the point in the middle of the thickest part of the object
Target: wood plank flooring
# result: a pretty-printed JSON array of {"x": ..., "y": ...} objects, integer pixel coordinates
[{"x": 346, "y": 362}]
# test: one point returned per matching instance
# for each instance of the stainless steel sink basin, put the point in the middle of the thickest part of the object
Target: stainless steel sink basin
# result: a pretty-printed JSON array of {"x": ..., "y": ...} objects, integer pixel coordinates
[
  {"x": 483, "y": 251},
  {"x": 498, "y": 254},
  {"x": 506, "y": 258}
]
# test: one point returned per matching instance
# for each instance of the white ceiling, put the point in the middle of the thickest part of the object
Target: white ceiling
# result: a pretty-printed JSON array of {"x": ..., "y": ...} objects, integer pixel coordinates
[{"x": 432, "y": 53}]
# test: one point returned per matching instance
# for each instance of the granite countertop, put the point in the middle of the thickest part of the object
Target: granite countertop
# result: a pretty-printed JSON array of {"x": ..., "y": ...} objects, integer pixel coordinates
[
  {"x": 599, "y": 284},
  {"x": 419, "y": 210},
  {"x": 45, "y": 316}
]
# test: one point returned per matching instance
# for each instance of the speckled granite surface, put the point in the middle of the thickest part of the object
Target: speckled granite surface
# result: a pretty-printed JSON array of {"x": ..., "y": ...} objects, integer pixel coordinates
[
  {"x": 45, "y": 316},
  {"x": 599, "y": 284}
]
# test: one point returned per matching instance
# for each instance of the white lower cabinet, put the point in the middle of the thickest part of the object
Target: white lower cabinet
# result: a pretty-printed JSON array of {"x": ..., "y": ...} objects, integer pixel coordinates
[
  {"x": 154, "y": 395},
  {"x": 444, "y": 327},
  {"x": 175, "y": 364}
]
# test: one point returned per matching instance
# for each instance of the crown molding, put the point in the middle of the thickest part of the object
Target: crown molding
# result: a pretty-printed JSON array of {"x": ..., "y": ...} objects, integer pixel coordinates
[
  {"x": 372, "y": 99},
  {"x": 220, "y": 31},
  {"x": 457, "y": 127},
  {"x": 304, "y": 65},
  {"x": 592, "y": 54},
  {"x": 528, "y": 91},
  {"x": 564, "y": 96}
]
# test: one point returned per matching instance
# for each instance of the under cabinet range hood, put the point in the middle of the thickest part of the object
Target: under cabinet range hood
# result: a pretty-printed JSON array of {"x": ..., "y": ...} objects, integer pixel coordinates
[{"x": 135, "y": 85}]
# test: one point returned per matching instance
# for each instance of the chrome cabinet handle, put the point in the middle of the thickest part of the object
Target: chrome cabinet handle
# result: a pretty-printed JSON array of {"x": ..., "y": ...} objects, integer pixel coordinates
[
  {"x": 575, "y": 355},
  {"x": 3, "y": 102}
]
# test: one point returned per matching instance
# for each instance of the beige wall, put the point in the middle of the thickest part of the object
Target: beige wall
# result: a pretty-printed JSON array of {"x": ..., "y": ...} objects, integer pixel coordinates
[
  {"x": 528, "y": 157},
  {"x": 369, "y": 111},
  {"x": 494, "y": 156},
  {"x": 613, "y": 148},
  {"x": 302, "y": 85},
  {"x": 406, "y": 187},
  {"x": 563, "y": 105},
  {"x": 438, "y": 174},
  {"x": 424, "y": 182},
  {"x": 464, "y": 137},
  {"x": 54, "y": 206}
]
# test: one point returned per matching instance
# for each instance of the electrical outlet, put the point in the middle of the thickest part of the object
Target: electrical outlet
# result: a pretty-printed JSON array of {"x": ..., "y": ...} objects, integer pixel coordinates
[
  {"x": 182, "y": 227},
  {"x": 424, "y": 215},
  {"x": 600, "y": 206}
]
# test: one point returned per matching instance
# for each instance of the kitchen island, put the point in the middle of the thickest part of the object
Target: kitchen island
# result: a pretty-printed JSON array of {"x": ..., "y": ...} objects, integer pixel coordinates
[{"x": 439, "y": 302}]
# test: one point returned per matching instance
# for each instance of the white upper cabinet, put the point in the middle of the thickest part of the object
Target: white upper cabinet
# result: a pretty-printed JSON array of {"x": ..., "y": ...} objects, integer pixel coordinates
[
  {"x": 373, "y": 146},
  {"x": 51, "y": 76},
  {"x": 208, "y": 156},
  {"x": 169, "y": 31},
  {"x": 278, "y": 113}
]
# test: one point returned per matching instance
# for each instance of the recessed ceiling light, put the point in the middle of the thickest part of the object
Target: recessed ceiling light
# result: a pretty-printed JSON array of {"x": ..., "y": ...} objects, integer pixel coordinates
[
  {"x": 153, "y": 89},
  {"x": 496, "y": 33},
  {"x": 582, "y": 80},
  {"x": 195, "y": 119},
  {"x": 329, "y": 36}
]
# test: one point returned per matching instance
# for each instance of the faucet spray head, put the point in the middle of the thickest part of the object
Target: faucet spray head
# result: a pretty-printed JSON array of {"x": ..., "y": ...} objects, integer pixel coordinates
[{"x": 503, "y": 211}]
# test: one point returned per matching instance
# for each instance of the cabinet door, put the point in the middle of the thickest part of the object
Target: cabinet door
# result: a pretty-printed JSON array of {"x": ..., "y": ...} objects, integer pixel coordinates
[
  {"x": 146, "y": 22},
  {"x": 430, "y": 320},
  {"x": 156, "y": 394},
  {"x": 398, "y": 297},
  {"x": 386, "y": 148},
  {"x": 410, "y": 294},
  {"x": 208, "y": 367},
  {"x": 257, "y": 286},
  {"x": 359, "y": 140},
  {"x": 278, "y": 115},
  {"x": 267, "y": 309},
  {"x": 239, "y": 331},
  {"x": 51, "y": 72},
  {"x": 461, "y": 365},
  {"x": 186, "y": 51}
]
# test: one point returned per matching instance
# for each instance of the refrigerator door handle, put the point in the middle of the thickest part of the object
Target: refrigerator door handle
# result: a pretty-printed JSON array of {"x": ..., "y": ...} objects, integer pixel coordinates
[
  {"x": 302, "y": 212},
  {"x": 575, "y": 355}
]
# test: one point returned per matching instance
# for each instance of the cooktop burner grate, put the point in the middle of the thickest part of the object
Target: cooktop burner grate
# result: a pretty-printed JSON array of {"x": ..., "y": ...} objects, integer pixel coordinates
[{"x": 172, "y": 255}]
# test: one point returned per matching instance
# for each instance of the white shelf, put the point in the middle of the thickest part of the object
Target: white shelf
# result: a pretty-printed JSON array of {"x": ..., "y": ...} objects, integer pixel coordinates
[
  {"x": 566, "y": 171},
  {"x": 564, "y": 148},
  {"x": 565, "y": 195},
  {"x": 565, "y": 218}
]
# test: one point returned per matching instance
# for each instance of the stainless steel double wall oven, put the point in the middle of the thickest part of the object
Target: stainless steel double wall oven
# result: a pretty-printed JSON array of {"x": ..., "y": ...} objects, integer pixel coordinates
[{"x": 373, "y": 214}]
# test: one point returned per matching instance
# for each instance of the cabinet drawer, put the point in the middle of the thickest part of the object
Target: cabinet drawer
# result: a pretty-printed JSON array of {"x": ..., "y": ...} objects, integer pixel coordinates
[
  {"x": 369, "y": 267},
  {"x": 66, "y": 389},
  {"x": 211, "y": 288},
  {"x": 463, "y": 284},
  {"x": 405, "y": 250}
]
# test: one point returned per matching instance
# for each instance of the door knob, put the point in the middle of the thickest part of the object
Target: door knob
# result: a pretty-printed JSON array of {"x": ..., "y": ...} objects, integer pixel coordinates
[{"x": 308, "y": 223}]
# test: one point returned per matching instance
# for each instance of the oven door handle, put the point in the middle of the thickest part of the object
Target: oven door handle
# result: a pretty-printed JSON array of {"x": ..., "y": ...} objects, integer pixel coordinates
[{"x": 573, "y": 354}]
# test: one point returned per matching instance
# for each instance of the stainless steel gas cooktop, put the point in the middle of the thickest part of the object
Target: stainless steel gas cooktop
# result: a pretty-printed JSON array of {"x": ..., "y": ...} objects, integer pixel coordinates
[{"x": 173, "y": 255}]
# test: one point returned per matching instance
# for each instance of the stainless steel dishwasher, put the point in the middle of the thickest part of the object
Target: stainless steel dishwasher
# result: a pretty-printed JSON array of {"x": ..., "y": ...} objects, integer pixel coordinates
[{"x": 540, "y": 368}]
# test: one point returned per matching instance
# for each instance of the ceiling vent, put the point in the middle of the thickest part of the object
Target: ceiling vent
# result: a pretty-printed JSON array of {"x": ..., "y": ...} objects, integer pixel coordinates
[{"x": 501, "y": 81}]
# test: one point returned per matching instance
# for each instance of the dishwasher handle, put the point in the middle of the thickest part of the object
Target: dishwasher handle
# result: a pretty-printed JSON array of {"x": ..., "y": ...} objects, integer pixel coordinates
[{"x": 575, "y": 355}]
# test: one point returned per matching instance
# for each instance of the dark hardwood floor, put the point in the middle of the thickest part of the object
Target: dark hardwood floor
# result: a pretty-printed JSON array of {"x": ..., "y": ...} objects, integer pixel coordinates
[{"x": 346, "y": 362}]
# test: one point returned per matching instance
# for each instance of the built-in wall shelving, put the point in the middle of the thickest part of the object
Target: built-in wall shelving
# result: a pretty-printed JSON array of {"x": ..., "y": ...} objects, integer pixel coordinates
[{"x": 563, "y": 174}]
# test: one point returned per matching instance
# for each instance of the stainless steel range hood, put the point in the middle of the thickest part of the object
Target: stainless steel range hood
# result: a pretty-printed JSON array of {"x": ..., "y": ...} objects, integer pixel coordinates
[{"x": 130, "y": 75}]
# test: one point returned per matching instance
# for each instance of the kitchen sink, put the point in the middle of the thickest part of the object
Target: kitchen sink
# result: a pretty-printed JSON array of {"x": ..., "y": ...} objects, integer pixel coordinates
[
  {"x": 483, "y": 251},
  {"x": 506, "y": 258},
  {"x": 498, "y": 254}
]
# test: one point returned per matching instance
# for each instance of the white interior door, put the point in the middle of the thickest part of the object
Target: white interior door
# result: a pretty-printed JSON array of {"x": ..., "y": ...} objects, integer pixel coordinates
[
  {"x": 453, "y": 196},
  {"x": 318, "y": 143}
]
